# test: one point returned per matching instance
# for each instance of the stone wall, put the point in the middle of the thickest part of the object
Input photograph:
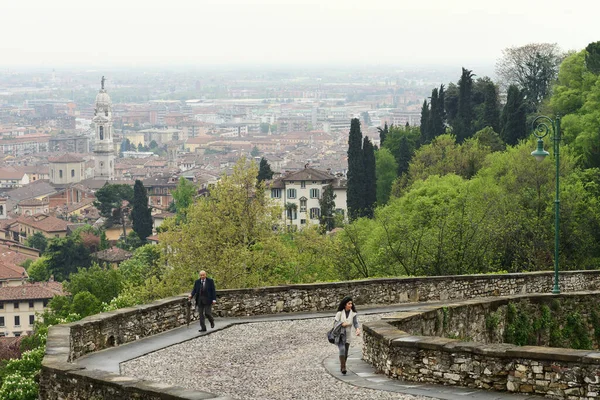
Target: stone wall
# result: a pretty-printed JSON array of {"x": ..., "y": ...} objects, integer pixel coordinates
[
  {"x": 406, "y": 346},
  {"x": 326, "y": 296},
  {"x": 62, "y": 378}
]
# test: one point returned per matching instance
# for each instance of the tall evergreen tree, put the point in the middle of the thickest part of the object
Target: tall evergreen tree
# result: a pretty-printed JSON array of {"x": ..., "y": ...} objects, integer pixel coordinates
[
  {"x": 491, "y": 109},
  {"x": 464, "y": 117},
  {"x": 356, "y": 177},
  {"x": 264, "y": 170},
  {"x": 425, "y": 134},
  {"x": 370, "y": 178},
  {"x": 451, "y": 104},
  {"x": 327, "y": 204},
  {"x": 382, "y": 134},
  {"x": 514, "y": 117},
  {"x": 404, "y": 155},
  {"x": 592, "y": 57},
  {"x": 141, "y": 213},
  {"x": 436, "y": 115}
]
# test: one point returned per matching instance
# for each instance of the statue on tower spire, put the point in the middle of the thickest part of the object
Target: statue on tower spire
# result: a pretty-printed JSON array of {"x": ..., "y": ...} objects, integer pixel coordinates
[{"x": 102, "y": 82}]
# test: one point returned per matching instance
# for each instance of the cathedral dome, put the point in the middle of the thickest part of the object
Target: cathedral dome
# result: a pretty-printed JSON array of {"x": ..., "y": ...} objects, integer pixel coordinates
[{"x": 102, "y": 98}]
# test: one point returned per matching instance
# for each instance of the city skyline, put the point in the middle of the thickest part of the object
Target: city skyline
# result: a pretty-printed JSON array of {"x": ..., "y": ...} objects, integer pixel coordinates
[{"x": 269, "y": 33}]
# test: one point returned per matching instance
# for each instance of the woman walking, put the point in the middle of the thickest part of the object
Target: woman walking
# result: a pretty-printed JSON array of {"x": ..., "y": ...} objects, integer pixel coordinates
[{"x": 348, "y": 317}]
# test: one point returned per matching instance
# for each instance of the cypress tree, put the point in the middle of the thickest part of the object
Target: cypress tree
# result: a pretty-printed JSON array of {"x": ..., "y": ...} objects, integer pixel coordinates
[
  {"x": 464, "y": 116},
  {"x": 404, "y": 155},
  {"x": 141, "y": 213},
  {"x": 424, "y": 128},
  {"x": 514, "y": 117},
  {"x": 491, "y": 113},
  {"x": 355, "y": 191},
  {"x": 264, "y": 170},
  {"x": 327, "y": 204},
  {"x": 383, "y": 134},
  {"x": 592, "y": 57},
  {"x": 436, "y": 123},
  {"x": 370, "y": 178}
]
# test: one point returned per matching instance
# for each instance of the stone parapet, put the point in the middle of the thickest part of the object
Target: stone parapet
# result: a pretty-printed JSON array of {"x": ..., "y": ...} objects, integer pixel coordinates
[
  {"x": 62, "y": 378},
  {"x": 400, "y": 347}
]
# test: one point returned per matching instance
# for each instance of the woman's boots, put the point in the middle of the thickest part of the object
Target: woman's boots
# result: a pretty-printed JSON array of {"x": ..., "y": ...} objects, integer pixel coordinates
[{"x": 343, "y": 364}]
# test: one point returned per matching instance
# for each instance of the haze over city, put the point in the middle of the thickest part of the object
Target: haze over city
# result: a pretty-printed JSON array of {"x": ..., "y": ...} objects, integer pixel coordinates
[{"x": 139, "y": 33}]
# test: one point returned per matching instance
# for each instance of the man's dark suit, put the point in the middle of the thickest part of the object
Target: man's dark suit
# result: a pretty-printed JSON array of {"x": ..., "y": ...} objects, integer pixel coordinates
[{"x": 205, "y": 294}]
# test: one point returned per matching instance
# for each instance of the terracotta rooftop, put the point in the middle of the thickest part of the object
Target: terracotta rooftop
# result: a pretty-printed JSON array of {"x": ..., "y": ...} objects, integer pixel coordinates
[
  {"x": 44, "y": 222},
  {"x": 33, "y": 202},
  {"x": 31, "y": 291},
  {"x": 11, "y": 271},
  {"x": 65, "y": 158}
]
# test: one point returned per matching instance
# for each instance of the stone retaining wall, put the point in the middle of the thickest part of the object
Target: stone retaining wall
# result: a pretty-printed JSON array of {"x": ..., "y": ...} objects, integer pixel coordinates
[
  {"x": 62, "y": 378},
  {"x": 398, "y": 347}
]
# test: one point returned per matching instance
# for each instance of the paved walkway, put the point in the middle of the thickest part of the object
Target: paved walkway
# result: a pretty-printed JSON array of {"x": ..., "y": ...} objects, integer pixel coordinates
[{"x": 359, "y": 374}]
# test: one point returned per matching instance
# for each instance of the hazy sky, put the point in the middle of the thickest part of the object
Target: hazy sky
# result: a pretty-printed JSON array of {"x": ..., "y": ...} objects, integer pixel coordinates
[{"x": 43, "y": 33}]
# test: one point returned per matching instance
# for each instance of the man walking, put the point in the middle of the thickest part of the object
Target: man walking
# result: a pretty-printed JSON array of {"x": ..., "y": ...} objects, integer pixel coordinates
[{"x": 206, "y": 295}]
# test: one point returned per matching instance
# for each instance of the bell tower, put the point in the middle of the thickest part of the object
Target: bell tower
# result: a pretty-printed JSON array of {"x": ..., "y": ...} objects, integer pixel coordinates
[{"x": 104, "y": 154}]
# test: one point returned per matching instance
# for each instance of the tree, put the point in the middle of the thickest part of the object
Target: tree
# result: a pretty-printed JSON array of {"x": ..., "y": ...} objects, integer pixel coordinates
[
  {"x": 327, "y": 204},
  {"x": 514, "y": 117},
  {"x": 592, "y": 57},
  {"x": 104, "y": 284},
  {"x": 230, "y": 233},
  {"x": 143, "y": 265},
  {"x": 183, "y": 196},
  {"x": 370, "y": 176},
  {"x": 382, "y": 134},
  {"x": 85, "y": 303},
  {"x": 38, "y": 270},
  {"x": 37, "y": 241},
  {"x": 254, "y": 152},
  {"x": 264, "y": 170},
  {"x": 532, "y": 68},
  {"x": 366, "y": 118},
  {"x": 109, "y": 202},
  {"x": 424, "y": 127},
  {"x": 356, "y": 177},
  {"x": 65, "y": 255},
  {"x": 491, "y": 110},
  {"x": 463, "y": 128},
  {"x": 153, "y": 145},
  {"x": 141, "y": 214},
  {"x": 386, "y": 170}
]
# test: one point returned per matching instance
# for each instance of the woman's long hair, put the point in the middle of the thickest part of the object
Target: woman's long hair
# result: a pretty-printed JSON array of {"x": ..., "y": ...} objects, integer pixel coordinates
[{"x": 345, "y": 301}]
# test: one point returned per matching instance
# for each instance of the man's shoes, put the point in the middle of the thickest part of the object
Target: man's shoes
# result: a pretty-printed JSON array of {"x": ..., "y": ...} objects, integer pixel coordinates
[
  {"x": 212, "y": 324},
  {"x": 202, "y": 330}
]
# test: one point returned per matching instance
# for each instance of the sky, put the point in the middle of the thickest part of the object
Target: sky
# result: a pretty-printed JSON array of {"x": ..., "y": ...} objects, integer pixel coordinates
[{"x": 138, "y": 33}]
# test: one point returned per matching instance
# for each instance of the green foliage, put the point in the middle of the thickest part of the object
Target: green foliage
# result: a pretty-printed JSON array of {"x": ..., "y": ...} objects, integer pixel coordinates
[
  {"x": 183, "y": 197},
  {"x": 463, "y": 125},
  {"x": 141, "y": 214},
  {"x": 65, "y": 255},
  {"x": 592, "y": 57},
  {"x": 386, "y": 167},
  {"x": 492, "y": 320},
  {"x": 489, "y": 138},
  {"x": 104, "y": 284},
  {"x": 576, "y": 332},
  {"x": 85, "y": 303},
  {"x": 38, "y": 270},
  {"x": 20, "y": 377},
  {"x": 131, "y": 242},
  {"x": 37, "y": 241},
  {"x": 370, "y": 179},
  {"x": 144, "y": 264},
  {"x": 514, "y": 116}
]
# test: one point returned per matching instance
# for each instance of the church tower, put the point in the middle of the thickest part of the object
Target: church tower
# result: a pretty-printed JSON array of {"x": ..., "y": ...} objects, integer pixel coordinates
[{"x": 104, "y": 155}]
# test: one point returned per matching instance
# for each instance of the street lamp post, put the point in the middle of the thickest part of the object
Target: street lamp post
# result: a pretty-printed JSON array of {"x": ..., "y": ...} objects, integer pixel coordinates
[{"x": 542, "y": 126}]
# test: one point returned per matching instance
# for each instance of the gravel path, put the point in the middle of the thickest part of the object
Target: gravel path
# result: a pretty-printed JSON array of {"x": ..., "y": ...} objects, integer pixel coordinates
[{"x": 267, "y": 360}]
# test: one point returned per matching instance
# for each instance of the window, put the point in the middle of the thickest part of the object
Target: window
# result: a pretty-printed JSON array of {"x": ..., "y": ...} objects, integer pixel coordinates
[
  {"x": 60, "y": 173},
  {"x": 16, "y": 305},
  {"x": 31, "y": 304},
  {"x": 101, "y": 130},
  {"x": 31, "y": 319},
  {"x": 1, "y": 321},
  {"x": 45, "y": 303},
  {"x": 339, "y": 211},
  {"x": 17, "y": 334},
  {"x": 72, "y": 173},
  {"x": 315, "y": 213},
  {"x": 314, "y": 193},
  {"x": 291, "y": 193},
  {"x": 303, "y": 204},
  {"x": 303, "y": 184},
  {"x": 17, "y": 320},
  {"x": 275, "y": 193},
  {"x": 1, "y": 306},
  {"x": 302, "y": 222}
]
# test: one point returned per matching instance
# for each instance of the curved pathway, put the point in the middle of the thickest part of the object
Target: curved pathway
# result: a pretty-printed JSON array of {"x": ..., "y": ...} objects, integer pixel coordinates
[{"x": 284, "y": 356}]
